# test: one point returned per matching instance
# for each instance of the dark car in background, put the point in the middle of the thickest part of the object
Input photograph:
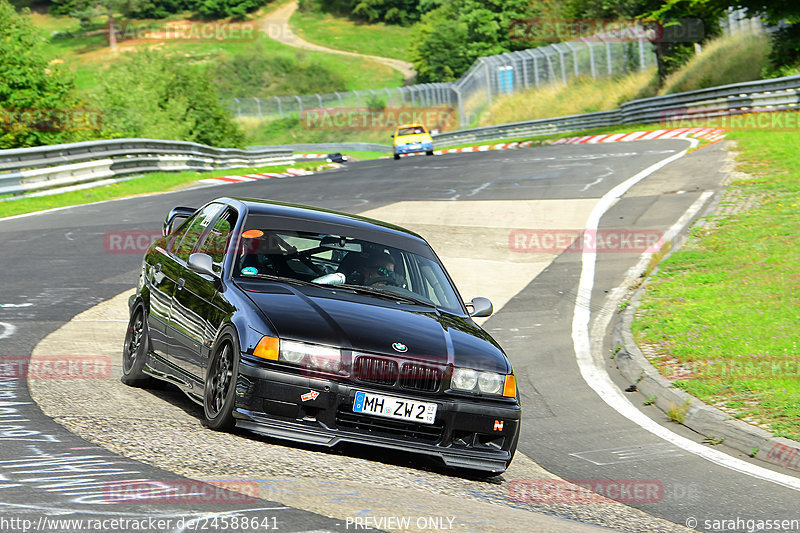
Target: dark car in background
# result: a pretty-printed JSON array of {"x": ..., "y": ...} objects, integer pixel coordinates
[{"x": 321, "y": 327}]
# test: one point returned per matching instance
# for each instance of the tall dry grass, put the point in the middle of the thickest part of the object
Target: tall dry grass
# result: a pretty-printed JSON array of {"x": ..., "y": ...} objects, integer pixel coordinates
[
  {"x": 734, "y": 59},
  {"x": 580, "y": 95}
]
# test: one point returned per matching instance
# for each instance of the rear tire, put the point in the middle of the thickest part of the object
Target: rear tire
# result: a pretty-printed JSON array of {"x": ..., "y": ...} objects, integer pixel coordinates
[
  {"x": 219, "y": 390},
  {"x": 135, "y": 351}
]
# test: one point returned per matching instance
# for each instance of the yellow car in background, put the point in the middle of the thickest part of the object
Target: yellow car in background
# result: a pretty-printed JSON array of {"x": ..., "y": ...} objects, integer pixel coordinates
[{"x": 412, "y": 138}]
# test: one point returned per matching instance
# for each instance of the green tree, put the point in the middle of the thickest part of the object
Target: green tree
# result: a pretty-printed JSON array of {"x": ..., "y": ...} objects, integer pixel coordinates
[
  {"x": 85, "y": 10},
  {"x": 37, "y": 103},
  {"x": 152, "y": 95},
  {"x": 448, "y": 39}
]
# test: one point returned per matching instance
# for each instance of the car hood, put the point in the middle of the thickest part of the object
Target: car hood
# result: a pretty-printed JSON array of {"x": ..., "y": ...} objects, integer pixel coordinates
[{"x": 365, "y": 323}]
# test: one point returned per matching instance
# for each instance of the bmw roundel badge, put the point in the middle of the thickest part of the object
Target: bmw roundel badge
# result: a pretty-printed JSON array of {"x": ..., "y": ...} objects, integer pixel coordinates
[{"x": 400, "y": 347}]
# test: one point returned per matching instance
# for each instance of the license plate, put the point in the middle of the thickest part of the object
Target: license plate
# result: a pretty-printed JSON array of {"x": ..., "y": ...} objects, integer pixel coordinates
[
  {"x": 391, "y": 407},
  {"x": 415, "y": 146}
]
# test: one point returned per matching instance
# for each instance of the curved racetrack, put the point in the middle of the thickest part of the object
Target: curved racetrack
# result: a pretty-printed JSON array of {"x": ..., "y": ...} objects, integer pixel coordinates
[{"x": 63, "y": 296}]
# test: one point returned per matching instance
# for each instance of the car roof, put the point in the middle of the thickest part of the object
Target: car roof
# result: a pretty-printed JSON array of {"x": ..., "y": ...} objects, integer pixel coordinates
[
  {"x": 412, "y": 125},
  {"x": 257, "y": 206}
]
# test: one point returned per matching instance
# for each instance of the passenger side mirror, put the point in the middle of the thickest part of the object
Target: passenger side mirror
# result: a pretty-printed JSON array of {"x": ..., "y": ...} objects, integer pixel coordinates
[
  {"x": 481, "y": 307},
  {"x": 202, "y": 264}
]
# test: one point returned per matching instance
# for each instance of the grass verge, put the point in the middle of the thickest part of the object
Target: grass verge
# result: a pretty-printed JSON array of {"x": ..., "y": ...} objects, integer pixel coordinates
[
  {"x": 150, "y": 183},
  {"x": 324, "y": 29},
  {"x": 720, "y": 316}
]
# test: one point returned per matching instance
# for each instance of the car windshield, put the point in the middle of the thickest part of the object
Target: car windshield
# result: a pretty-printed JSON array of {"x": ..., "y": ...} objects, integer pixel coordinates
[
  {"x": 362, "y": 265},
  {"x": 410, "y": 131}
]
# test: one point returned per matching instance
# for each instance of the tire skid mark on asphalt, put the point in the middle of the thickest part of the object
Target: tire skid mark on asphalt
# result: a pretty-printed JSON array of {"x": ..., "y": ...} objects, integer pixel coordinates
[{"x": 595, "y": 374}]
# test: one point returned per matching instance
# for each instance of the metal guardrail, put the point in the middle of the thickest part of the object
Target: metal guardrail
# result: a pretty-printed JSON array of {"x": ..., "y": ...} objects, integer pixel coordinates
[
  {"x": 30, "y": 169},
  {"x": 330, "y": 147},
  {"x": 33, "y": 169},
  {"x": 777, "y": 94},
  {"x": 532, "y": 128}
]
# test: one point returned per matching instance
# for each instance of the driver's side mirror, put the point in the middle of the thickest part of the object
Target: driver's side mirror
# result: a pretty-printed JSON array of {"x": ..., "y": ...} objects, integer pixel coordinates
[
  {"x": 202, "y": 264},
  {"x": 176, "y": 214},
  {"x": 481, "y": 307}
]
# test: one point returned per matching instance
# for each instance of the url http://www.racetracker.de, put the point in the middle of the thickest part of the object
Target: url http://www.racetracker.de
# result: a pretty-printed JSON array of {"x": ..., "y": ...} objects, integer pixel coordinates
[
  {"x": 153, "y": 524},
  {"x": 750, "y": 525}
]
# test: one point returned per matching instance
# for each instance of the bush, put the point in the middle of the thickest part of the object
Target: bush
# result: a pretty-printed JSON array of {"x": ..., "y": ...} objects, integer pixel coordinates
[
  {"x": 156, "y": 96},
  {"x": 256, "y": 72},
  {"x": 218, "y": 9},
  {"x": 36, "y": 98},
  {"x": 785, "y": 53}
]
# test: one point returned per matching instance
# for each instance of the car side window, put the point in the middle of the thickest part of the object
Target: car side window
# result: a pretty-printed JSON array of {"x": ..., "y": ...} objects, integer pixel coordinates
[
  {"x": 194, "y": 230},
  {"x": 216, "y": 240}
]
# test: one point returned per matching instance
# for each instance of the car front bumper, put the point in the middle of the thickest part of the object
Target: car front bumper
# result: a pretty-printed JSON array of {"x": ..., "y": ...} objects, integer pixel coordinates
[
  {"x": 465, "y": 434},
  {"x": 413, "y": 148}
]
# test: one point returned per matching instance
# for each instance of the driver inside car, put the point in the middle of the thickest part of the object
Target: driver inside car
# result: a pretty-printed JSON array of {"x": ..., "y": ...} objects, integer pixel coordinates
[{"x": 378, "y": 265}]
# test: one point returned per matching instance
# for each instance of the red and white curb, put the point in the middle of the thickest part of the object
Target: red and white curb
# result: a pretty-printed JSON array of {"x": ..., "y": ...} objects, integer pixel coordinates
[
  {"x": 222, "y": 180},
  {"x": 709, "y": 134},
  {"x": 482, "y": 148}
]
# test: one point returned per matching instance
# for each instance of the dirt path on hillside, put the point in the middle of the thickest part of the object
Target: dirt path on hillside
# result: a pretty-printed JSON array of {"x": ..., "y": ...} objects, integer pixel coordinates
[{"x": 276, "y": 25}]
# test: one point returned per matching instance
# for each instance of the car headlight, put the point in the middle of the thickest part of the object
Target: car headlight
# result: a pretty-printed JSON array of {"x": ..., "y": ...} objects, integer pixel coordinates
[
  {"x": 466, "y": 379},
  {"x": 314, "y": 356}
]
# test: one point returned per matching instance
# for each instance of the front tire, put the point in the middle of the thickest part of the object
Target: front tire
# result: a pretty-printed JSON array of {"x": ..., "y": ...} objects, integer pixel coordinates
[
  {"x": 429, "y": 152},
  {"x": 135, "y": 351},
  {"x": 397, "y": 156},
  {"x": 219, "y": 390}
]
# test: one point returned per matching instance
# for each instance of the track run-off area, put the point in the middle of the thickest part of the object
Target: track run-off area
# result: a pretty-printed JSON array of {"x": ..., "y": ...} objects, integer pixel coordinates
[{"x": 503, "y": 223}]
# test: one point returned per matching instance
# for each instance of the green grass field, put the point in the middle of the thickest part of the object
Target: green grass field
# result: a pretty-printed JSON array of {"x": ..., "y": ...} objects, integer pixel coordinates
[
  {"x": 383, "y": 40},
  {"x": 87, "y": 55},
  {"x": 722, "y": 312}
]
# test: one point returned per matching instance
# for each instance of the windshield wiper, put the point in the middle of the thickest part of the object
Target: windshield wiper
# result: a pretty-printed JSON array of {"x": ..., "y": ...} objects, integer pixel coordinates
[
  {"x": 282, "y": 279},
  {"x": 386, "y": 293}
]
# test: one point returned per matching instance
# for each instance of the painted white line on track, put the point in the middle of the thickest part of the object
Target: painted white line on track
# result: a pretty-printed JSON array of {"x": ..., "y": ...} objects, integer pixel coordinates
[
  {"x": 6, "y": 330},
  {"x": 596, "y": 376}
]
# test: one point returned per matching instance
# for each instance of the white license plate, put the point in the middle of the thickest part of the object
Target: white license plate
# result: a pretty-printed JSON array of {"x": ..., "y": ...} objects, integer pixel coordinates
[{"x": 391, "y": 407}]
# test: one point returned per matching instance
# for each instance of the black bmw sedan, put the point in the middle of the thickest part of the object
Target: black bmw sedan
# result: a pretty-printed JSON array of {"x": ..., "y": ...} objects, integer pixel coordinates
[{"x": 321, "y": 327}]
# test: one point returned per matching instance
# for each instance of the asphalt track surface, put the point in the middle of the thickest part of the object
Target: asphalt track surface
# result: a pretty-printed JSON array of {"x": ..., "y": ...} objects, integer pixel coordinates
[{"x": 55, "y": 266}]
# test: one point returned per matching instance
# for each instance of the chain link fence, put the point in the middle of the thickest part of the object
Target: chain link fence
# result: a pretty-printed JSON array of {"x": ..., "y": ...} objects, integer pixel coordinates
[{"x": 488, "y": 78}]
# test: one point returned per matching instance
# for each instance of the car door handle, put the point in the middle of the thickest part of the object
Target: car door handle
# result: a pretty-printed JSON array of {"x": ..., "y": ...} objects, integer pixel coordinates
[{"x": 181, "y": 283}]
